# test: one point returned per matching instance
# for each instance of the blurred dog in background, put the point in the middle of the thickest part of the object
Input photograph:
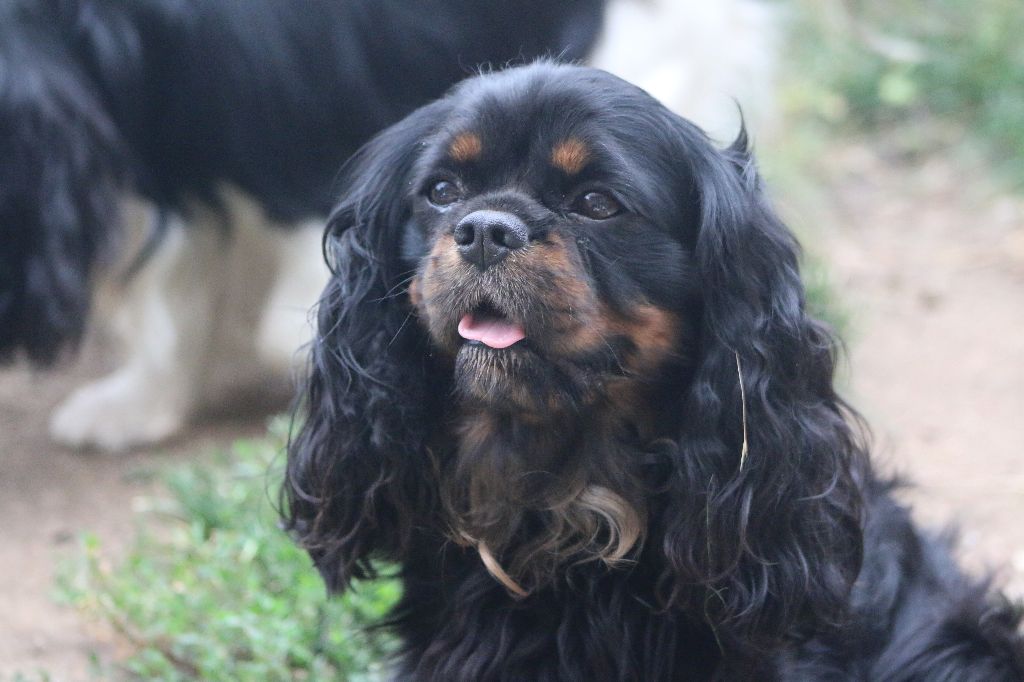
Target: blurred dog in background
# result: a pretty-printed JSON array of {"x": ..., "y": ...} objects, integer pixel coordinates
[
  {"x": 216, "y": 114},
  {"x": 704, "y": 60},
  {"x": 215, "y": 131}
]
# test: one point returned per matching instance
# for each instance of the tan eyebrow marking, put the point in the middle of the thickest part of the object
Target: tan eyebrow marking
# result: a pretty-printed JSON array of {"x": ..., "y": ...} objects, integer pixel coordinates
[
  {"x": 465, "y": 147},
  {"x": 570, "y": 155}
]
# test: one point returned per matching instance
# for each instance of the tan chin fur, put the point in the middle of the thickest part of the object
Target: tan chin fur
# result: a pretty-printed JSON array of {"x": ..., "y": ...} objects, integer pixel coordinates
[
  {"x": 625, "y": 526},
  {"x": 594, "y": 524},
  {"x": 495, "y": 569}
]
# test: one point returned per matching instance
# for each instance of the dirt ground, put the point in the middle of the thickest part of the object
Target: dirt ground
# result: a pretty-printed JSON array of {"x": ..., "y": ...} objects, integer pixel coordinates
[
  {"x": 49, "y": 496},
  {"x": 928, "y": 260}
]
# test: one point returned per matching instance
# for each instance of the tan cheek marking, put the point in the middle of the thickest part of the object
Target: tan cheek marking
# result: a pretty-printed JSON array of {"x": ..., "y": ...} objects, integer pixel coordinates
[
  {"x": 465, "y": 147},
  {"x": 441, "y": 261},
  {"x": 655, "y": 333},
  {"x": 570, "y": 155},
  {"x": 554, "y": 263}
]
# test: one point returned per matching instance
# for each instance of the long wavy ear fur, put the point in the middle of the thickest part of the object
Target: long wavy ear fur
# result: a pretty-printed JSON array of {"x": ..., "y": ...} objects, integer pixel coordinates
[
  {"x": 60, "y": 169},
  {"x": 357, "y": 468},
  {"x": 767, "y": 540}
]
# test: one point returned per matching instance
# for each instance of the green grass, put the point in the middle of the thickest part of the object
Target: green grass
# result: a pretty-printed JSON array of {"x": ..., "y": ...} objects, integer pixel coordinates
[
  {"x": 945, "y": 71},
  {"x": 211, "y": 589}
]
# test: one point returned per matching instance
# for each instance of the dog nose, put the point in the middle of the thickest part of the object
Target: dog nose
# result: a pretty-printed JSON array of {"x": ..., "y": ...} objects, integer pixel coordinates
[{"x": 485, "y": 238}]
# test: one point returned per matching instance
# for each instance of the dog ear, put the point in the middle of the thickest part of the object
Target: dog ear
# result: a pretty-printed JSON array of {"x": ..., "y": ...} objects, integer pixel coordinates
[
  {"x": 763, "y": 532},
  {"x": 358, "y": 467},
  {"x": 60, "y": 170}
]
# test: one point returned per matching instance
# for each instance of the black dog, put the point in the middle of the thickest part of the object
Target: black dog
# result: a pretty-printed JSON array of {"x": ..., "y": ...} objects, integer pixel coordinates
[{"x": 565, "y": 379}]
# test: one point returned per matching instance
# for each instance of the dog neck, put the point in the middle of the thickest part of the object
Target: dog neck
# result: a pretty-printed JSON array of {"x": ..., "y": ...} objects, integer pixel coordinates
[{"x": 539, "y": 495}]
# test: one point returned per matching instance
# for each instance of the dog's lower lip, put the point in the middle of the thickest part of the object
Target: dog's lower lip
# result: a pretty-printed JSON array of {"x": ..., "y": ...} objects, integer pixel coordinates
[
  {"x": 480, "y": 344},
  {"x": 524, "y": 345}
]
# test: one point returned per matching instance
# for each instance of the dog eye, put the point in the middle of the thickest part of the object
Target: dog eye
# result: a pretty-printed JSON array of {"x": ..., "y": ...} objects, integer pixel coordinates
[
  {"x": 444, "y": 193},
  {"x": 597, "y": 206}
]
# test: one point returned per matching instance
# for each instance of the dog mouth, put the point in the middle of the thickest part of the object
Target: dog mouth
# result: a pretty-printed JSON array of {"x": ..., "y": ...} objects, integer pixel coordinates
[{"x": 488, "y": 326}]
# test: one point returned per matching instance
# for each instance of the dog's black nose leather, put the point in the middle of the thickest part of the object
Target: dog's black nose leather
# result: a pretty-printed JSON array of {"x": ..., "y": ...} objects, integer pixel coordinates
[{"x": 485, "y": 238}]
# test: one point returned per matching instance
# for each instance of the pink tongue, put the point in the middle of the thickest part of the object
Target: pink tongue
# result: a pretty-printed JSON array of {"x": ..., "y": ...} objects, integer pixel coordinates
[{"x": 490, "y": 332}]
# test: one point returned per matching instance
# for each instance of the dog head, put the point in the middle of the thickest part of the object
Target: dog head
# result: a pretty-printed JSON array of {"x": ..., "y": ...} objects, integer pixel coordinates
[
  {"x": 564, "y": 326},
  {"x": 549, "y": 262}
]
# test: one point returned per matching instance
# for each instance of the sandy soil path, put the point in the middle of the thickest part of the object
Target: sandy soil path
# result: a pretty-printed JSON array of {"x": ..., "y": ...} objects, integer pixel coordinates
[
  {"x": 50, "y": 496},
  {"x": 929, "y": 260}
]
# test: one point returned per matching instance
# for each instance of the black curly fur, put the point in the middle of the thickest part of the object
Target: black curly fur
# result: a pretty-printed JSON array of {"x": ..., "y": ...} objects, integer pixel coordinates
[
  {"x": 791, "y": 562},
  {"x": 171, "y": 100}
]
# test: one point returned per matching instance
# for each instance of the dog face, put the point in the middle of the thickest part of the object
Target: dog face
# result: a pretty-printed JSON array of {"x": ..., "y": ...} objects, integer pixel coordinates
[{"x": 552, "y": 251}]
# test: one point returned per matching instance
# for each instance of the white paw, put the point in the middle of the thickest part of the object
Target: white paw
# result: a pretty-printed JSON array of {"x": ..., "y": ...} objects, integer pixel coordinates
[{"x": 117, "y": 413}]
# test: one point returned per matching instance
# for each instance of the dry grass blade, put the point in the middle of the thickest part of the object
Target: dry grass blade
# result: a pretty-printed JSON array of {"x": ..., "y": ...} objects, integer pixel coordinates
[{"x": 743, "y": 405}]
